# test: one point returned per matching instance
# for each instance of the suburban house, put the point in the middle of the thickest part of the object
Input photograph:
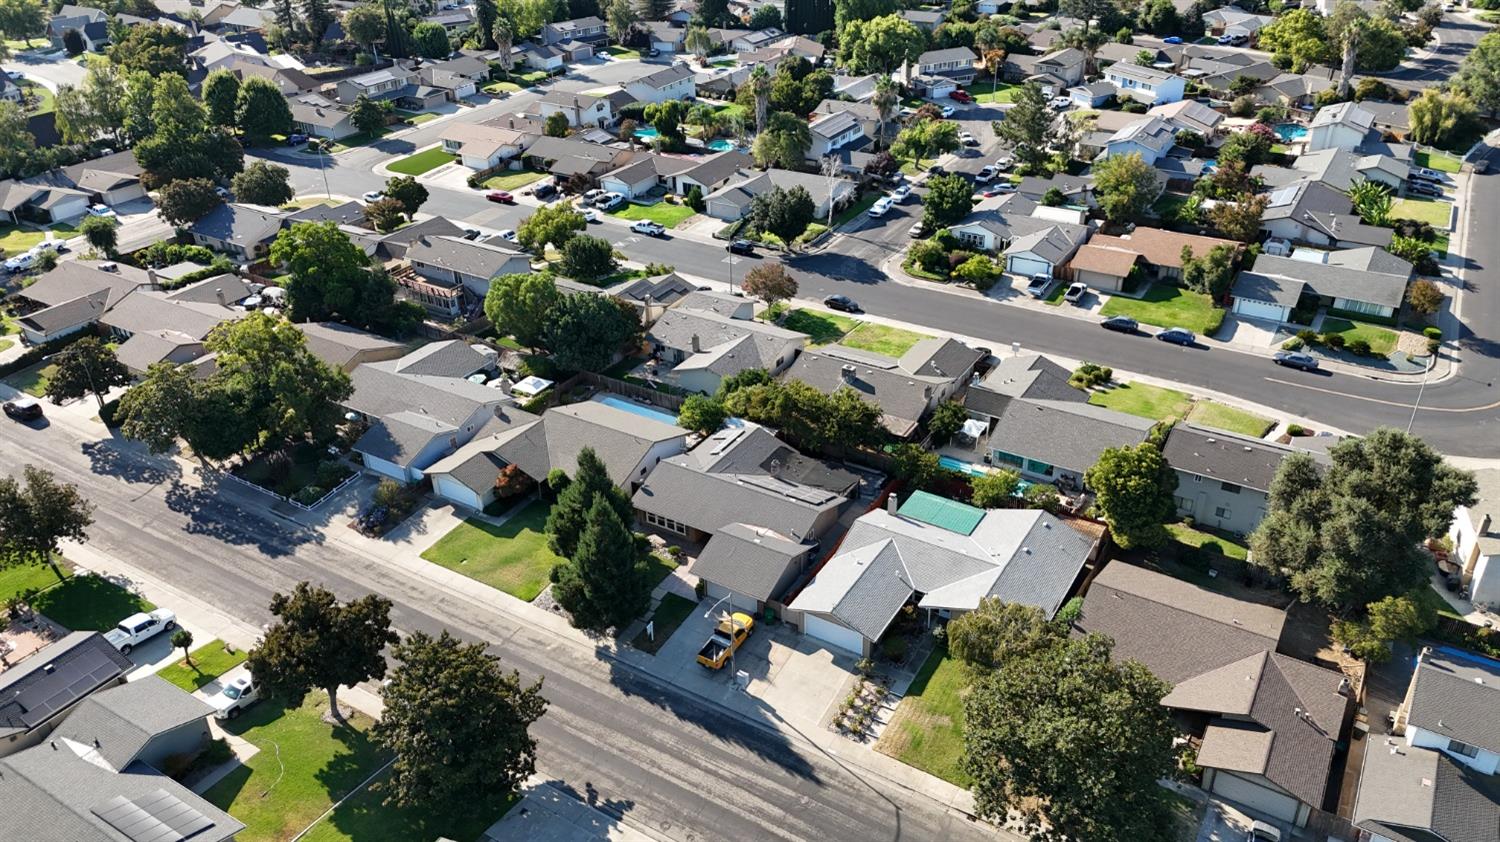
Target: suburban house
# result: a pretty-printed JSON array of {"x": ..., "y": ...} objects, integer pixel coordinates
[
  {"x": 103, "y": 775},
  {"x": 589, "y": 30},
  {"x": 580, "y": 109},
  {"x": 1223, "y": 479},
  {"x": 1091, "y": 94},
  {"x": 1114, "y": 52},
  {"x": 1434, "y": 777},
  {"x": 1310, "y": 211},
  {"x": 1476, "y": 540},
  {"x": 1061, "y": 68},
  {"x": 90, "y": 23},
  {"x": 398, "y": 84},
  {"x": 741, "y": 41},
  {"x": 1105, "y": 262},
  {"x": 37, "y": 693},
  {"x": 1339, "y": 169},
  {"x": 461, "y": 77},
  {"x": 243, "y": 232},
  {"x": 1362, "y": 283},
  {"x": 65, "y": 194},
  {"x": 1293, "y": 90},
  {"x": 1341, "y": 126},
  {"x": 694, "y": 348},
  {"x": 346, "y": 348},
  {"x": 453, "y": 18},
  {"x": 674, "y": 82},
  {"x": 1031, "y": 243},
  {"x": 732, "y": 201},
  {"x": 1189, "y": 115},
  {"x": 543, "y": 57},
  {"x": 481, "y": 146},
  {"x": 1042, "y": 252},
  {"x": 454, "y": 260},
  {"x": 1149, "y": 137},
  {"x": 73, "y": 296},
  {"x": 649, "y": 171},
  {"x": 832, "y": 133},
  {"x": 1232, "y": 20},
  {"x": 905, "y": 389},
  {"x": 652, "y": 296},
  {"x": 318, "y": 116},
  {"x": 629, "y": 443},
  {"x": 922, "y": 19},
  {"x": 944, "y": 557},
  {"x": 1217, "y": 71},
  {"x": 1268, "y": 725},
  {"x": 566, "y": 157},
  {"x": 153, "y": 326},
  {"x": 957, "y": 64},
  {"x": 1038, "y": 425},
  {"x": 1145, "y": 84}
]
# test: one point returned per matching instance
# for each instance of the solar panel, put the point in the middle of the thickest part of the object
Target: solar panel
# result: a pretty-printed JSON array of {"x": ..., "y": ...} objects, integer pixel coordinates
[{"x": 158, "y": 816}]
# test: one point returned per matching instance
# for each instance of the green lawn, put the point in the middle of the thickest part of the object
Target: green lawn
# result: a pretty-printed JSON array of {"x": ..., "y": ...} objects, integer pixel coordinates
[
  {"x": 427, "y": 159},
  {"x": 1431, "y": 211},
  {"x": 731, "y": 109},
  {"x": 622, "y": 52},
  {"x": 989, "y": 92},
  {"x": 1433, "y": 600},
  {"x": 33, "y": 379},
  {"x": 822, "y": 328},
  {"x": 891, "y": 341},
  {"x": 857, "y": 209},
  {"x": 660, "y": 568},
  {"x": 46, "y": 101},
  {"x": 501, "y": 88},
  {"x": 927, "y": 730},
  {"x": 668, "y": 216},
  {"x": 364, "y": 819},
  {"x": 513, "y": 557},
  {"x": 670, "y": 614},
  {"x": 89, "y": 603},
  {"x": 304, "y": 765},
  {"x": 310, "y": 202},
  {"x": 514, "y": 180},
  {"x": 14, "y": 239},
  {"x": 25, "y": 577},
  {"x": 1197, "y": 539},
  {"x": 1382, "y": 341},
  {"x": 209, "y": 662},
  {"x": 350, "y": 142},
  {"x": 1166, "y": 306},
  {"x": 1169, "y": 209},
  {"x": 417, "y": 118},
  {"x": 1224, "y": 417},
  {"x": 1142, "y": 399},
  {"x": 1440, "y": 161}
]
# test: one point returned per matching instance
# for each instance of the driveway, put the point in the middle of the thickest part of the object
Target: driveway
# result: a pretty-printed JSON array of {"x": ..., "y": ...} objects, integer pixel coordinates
[
  {"x": 1226, "y": 822},
  {"x": 1246, "y": 333}
]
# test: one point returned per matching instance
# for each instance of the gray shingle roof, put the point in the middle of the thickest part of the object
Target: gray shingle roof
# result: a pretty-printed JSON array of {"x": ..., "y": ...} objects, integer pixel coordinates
[
  {"x": 479, "y": 260},
  {"x": 945, "y": 56},
  {"x": 1241, "y": 460},
  {"x": 621, "y": 439},
  {"x": 338, "y": 344},
  {"x": 450, "y": 358},
  {"x": 666, "y": 76},
  {"x": 1067, "y": 434},
  {"x": 80, "y": 663},
  {"x": 1419, "y": 795},
  {"x": 1329, "y": 279},
  {"x": 1457, "y": 695},
  {"x": 727, "y": 345},
  {"x": 747, "y": 559},
  {"x": 901, "y": 388},
  {"x": 121, "y": 720},
  {"x": 241, "y": 225}
]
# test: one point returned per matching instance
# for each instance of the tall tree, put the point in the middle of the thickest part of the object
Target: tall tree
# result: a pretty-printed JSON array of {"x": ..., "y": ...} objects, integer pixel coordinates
[
  {"x": 263, "y": 183},
  {"x": 784, "y": 213},
  {"x": 881, "y": 45},
  {"x": 23, "y": 19},
  {"x": 485, "y": 17},
  {"x": 621, "y": 21},
  {"x": 183, "y": 144},
  {"x": 331, "y": 277},
  {"x": 159, "y": 409},
  {"x": 924, "y": 138},
  {"x": 887, "y": 103},
  {"x": 949, "y": 199},
  {"x": 1133, "y": 489},
  {"x": 770, "y": 282},
  {"x": 589, "y": 483},
  {"x": 714, "y": 14},
  {"x": 1025, "y": 125},
  {"x": 588, "y": 259},
  {"x": 152, "y": 47},
  {"x": 458, "y": 725},
  {"x": 86, "y": 367},
  {"x": 1125, "y": 187},
  {"x": 1479, "y": 73},
  {"x": 365, "y": 24},
  {"x": 586, "y": 331},
  {"x": 317, "y": 17},
  {"x": 367, "y": 115},
  {"x": 1240, "y": 220},
  {"x": 262, "y": 111},
  {"x": 185, "y": 201},
  {"x": 809, "y": 17},
  {"x": 221, "y": 93},
  {"x": 101, "y": 233},
  {"x": 287, "y": 392},
  {"x": 37, "y": 514},
  {"x": 846, "y": 11},
  {"x": 431, "y": 40},
  {"x": 605, "y": 583},
  {"x": 320, "y": 643},
  {"x": 760, "y": 86},
  {"x": 1438, "y": 117},
  {"x": 699, "y": 43},
  {"x": 138, "y": 104},
  {"x": 520, "y": 306},
  {"x": 783, "y": 142},
  {"x": 550, "y": 225},
  {"x": 16, "y": 142},
  {"x": 408, "y": 191},
  {"x": 998, "y": 632}
]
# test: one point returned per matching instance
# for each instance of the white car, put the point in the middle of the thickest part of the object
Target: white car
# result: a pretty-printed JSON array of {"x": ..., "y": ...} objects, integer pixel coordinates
[
  {"x": 1060, "y": 103},
  {"x": 649, "y": 228},
  {"x": 610, "y": 201},
  {"x": 590, "y": 215},
  {"x": 508, "y": 234},
  {"x": 986, "y": 175},
  {"x": 881, "y": 206},
  {"x": 1004, "y": 164},
  {"x": 1076, "y": 292},
  {"x": 373, "y": 196},
  {"x": 239, "y": 693},
  {"x": 947, "y": 111},
  {"x": 102, "y": 210},
  {"x": 968, "y": 139},
  {"x": 51, "y": 244},
  {"x": 915, "y": 230},
  {"x": 138, "y": 628},
  {"x": 21, "y": 262},
  {"x": 900, "y": 193}
]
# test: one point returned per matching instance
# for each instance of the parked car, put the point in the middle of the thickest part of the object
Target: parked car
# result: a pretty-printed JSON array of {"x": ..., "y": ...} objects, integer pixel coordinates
[
  {"x": 900, "y": 194},
  {"x": 591, "y": 215},
  {"x": 51, "y": 244},
  {"x": 1424, "y": 188},
  {"x": 102, "y": 210},
  {"x": 936, "y": 169},
  {"x": 21, "y": 262},
  {"x": 968, "y": 139},
  {"x": 1059, "y": 103},
  {"x": 649, "y": 228},
  {"x": 502, "y": 197},
  {"x": 545, "y": 190},
  {"x": 139, "y": 628},
  {"x": 961, "y": 95},
  {"x": 841, "y": 302},
  {"x": 239, "y": 693},
  {"x": 1004, "y": 163},
  {"x": 1038, "y": 285},
  {"x": 1430, "y": 175},
  {"x": 728, "y": 636},
  {"x": 1171, "y": 39},
  {"x": 1177, "y": 336},
  {"x": 296, "y": 139},
  {"x": 373, "y": 196},
  {"x": 222, "y": 193},
  {"x": 1296, "y": 359},
  {"x": 947, "y": 111},
  {"x": 1120, "y": 324},
  {"x": 23, "y": 408},
  {"x": 881, "y": 206},
  {"x": 609, "y": 201},
  {"x": 1076, "y": 292},
  {"x": 507, "y": 234},
  {"x": 741, "y": 247},
  {"x": 916, "y": 229},
  {"x": 594, "y": 195},
  {"x": 986, "y": 174},
  {"x": 1263, "y": 832}
]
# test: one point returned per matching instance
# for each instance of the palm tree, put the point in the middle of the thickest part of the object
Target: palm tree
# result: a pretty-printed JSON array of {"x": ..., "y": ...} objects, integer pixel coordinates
[
  {"x": 760, "y": 83},
  {"x": 886, "y": 100},
  {"x": 699, "y": 43}
]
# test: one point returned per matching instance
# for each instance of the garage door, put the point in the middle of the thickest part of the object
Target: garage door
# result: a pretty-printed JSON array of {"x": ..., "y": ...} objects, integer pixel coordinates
[
  {"x": 1260, "y": 310},
  {"x": 1255, "y": 796},
  {"x": 1028, "y": 266},
  {"x": 738, "y": 600},
  {"x": 834, "y": 634},
  {"x": 452, "y": 490}
]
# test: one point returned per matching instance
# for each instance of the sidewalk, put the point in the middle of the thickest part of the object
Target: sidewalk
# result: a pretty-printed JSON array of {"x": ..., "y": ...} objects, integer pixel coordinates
[{"x": 548, "y": 813}]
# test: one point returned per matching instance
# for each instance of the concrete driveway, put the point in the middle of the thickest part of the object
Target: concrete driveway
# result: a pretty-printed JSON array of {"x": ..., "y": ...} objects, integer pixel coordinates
[{"x": 1225, "y": 822}]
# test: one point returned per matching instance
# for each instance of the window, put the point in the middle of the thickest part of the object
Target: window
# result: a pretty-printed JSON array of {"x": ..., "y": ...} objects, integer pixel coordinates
[
  {"x": 1040, "y": 468},
  {"x": 1185, "y": 505},
  {"x": 665, "y": 523},
  {"x": 1221, "y": 512},
  {"x": 1463, "y": 749},
  {"x": 1008, "y": 458},
  {"x": 1197, "y": 478},
  {"x": 1229, "y": 488}
]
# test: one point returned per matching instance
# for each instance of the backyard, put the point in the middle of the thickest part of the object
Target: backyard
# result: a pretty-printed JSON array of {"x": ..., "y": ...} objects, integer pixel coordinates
[
  {"x": 89, "y": 603},
  {"x": 421, "y": 162},
  {"x": 927, "y": 730},
  {"x": 208, "y": 662},
  {"x": 1197, "y": 539},
  {"x": 1382, "y": 341},
  {"x": 512, "y": 557},
  {"x": 513, "y": 180},
  {"x": 1434, "y": 212},
  {"x": 1440, "y": 161},
  {"x": 1164, "y": 305},
  {"x": 1145, "y": 400},
  {"x": 666, "y": 215}
]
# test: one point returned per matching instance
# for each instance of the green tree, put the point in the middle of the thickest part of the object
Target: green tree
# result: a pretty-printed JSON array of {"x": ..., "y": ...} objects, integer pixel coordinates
[
  {"x": 587, "y": 258},
  {"x": 320, "y": 643},
  {"x": 887, "y": 102},
  {"x": 759, "y": 85},
  {"x": 365, "y": 24},
  {"x": 385, "y": 215},
  {"x": 1212, "y": 274},
  {"x": 949, "y": 199},
  {"x": 586, "y": 330},
  {"x": 287, "y": 391},
  {"x": 784, "y": 213},
  {"x": 845, "y": 11},
  {"x": 155, "y": 48},
  {"x": 86, "y": 367},
  {"x": 100, "y": 233},
  {"x": 1025, "y": 125},
  {"x": 1072, "y": 741},
  {"x": 1159, "y": 17},
  {"x": 621, "y": 20},
  {"x": 881, "y": 45},
  {"x": 183, "y": 639},
  {"x": 431, "y": 40},
  {"x": 666, "y": 118},
  {"x": 557, "y": 125},
  {"x": 1424, "y": 296},
  {"x": 138, "y": 103},
  {"x": 1479, "y": 74},
  {"x": 783, "y": 142},
  {"x": 408, "y": 191},
  {"x": 925, "y": 138},
  {"x": 995, "y": 490},
  {"x": 1437, "y": 118},
  {"x": 1350, "y": 536},
  {"x": 457, "y": 724},
  {"x": 486, "y": 15},
  {"x": 569, "y": 515},
  {"x": 997, "y": 633},
  {"x": 261, "y": 111},
  {"x": 698, "y": 42},
  {"x": 701, "y": 414},
  {"x": 1125, "y": 187},
  {"x": 183, "y": 202},
  {"x": 183, "y": 143},
  {"x": 23, "y": 19},
  {"x": 263, "y": 183},
  {"x": 947, "y": 419},
  {"x": 16, "y": 142},
  {"x": 1297, "y": 38},
  {"x": 915, "y": 465},
  {"x": 1387, "y": 620},
  {"x": 551, "y": 225},
  {"x": 520, "y": 305},
  {"x": 605, "y": 583},
  {"x": 157, "y": 410},
  {"x": 714, "y": 14},
  {"x": 367, "y": 115},
  {"x": 1240, "y": 220},
  {"x": 766, "y": 17},
  {"x": 37, "y": 514},
  {"x": 1044, "y": 497},
  {"x": 221, "y": 93},
  {"x": 770, "y": 282},
  {"x": 1133, "y": 492},
  {"x": 331, "y": 278}
]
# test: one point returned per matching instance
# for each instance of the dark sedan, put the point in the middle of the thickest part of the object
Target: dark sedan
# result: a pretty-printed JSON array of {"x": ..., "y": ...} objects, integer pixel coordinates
[
  {"x": 841, "y": 302},
  {"x": 1177, "y": 336},
  {"x": 1123, "y": 324},
  {"x": 1292, "y": 359},
  {"x": 23, "y": 408},
  {"x": 742, "y": 247}
]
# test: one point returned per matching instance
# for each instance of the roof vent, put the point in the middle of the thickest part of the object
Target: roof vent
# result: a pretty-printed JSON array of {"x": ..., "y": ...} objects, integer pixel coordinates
[
  {"x": 1213, "y": 441},
  {"x": 1026, "y": 550},
  {"x": 1249, "y": 449}
]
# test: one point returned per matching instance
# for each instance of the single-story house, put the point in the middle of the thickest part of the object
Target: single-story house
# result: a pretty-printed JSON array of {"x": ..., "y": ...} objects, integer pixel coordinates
[
  {"x": 1476, "y": 540},
  {"x": 1190, "y": 115},
  {"x": 732, "y": 201},
  {"x": 905, "y": 389},
  {"x": 73, "y": 296},
  {"x": 1000, "y": 224},
  {"x": 1105, "y": 261},
  {"x": 1293, "y": 90},
  {"x": 565, "y": 157},
  {"x": 922, "y": 19},
  {"x": 1340, "y": 169},
  {"x": 1310, "y": 211},
  {"x": 1232, "y": 20},
  {"x": 1091, "y": 94},
  {"x": 547, "y": 59},
  {"x": 1043, "y": 252},
  {"x": 39, "y": 691},
  {"x": 461, "y": 77},
  {"x": 346, "y": 348},
  {"x": 317, "y": 116},
  {"x": 454, "y": 260},
  {"x": 244, "y": 232},
  {"x": 1361, "y": 282},
  {"x": 696, "y": 348}
]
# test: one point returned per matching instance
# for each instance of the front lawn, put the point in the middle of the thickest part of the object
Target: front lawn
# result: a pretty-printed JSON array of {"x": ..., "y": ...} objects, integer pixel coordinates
[
  {"x": 1440, "y": 161},
  {"x": 660, "y": 567},
  {"x": 1382, "y": 341},
  {"x": 502, "y": 88},
  {"x": 513, "y": 180},
  {"x": 881, "y": 339},
  {"x": 310, "y": 202},
  {"x": 1164, "y": 305},
  {"x": 821, "y": 328},
  {"x": 1145, "y": 400},
  {"x": 513, "y": 557},
  {"x": 990, "y": 92},
  {"x": 26, "y": 577},
  {"x": 622, "y": 52},
  {"x": 857, "y": 209},
  {"x": 14, "y": 239},
  {"x": 46, "y": 101},
  {"x": 89, "y": 603},
  {"x": 427, "y": 159},
  {"x": 1431, "y": 211},
  {"x": 364, "y": 819},
  {"x": 927, "y": 731},
  {"x": 33, "y": 379},
  {"x": 209, "y": 662},
  {"x": 665, "y": 215},
  {"x": 1199, "y": 540},
  {"x": 670, "y": 614},
  {"x": 303, "y": 767},
  {"x": 1224, "y": 417}
]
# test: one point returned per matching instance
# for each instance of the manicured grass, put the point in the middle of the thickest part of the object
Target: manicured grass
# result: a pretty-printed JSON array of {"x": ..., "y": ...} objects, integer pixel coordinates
[
  {"x": 304, "y": 765},
  {"x": 89, "y": 603},
  {"x": 535, "y": 77},
  {"x": 501, "y": 88},
  {"x": 731, "y": 109},
  {"x": 856, "y": 210},
  {"x": 350, "y": 142},
  {"x": 15, "y": 240},
  {"x": 1382, "y": 341},
  {"x": 364, "y": 819},
  {"x": 417, "y": 118},
  {"x": 1169, "y": 209},
  {"x": 822, "y": 328},
  {"x": 1145, "y": 400},
  {"x": 990, "y": 92},
  {"x": 1431, "y": 211},
  {"x": 1440, "y": 161},
  {"x": 882, "y": 339},
  {"x": 1199, "y": 540},
  {"x": 209, "y": 662},
  {"x": 661, "y": 567},
  {"x": 311, "y": 202},
  {"x": 25, "y": 577},
  {"x": 622, "y": 52},
  {"x": 1430, "y": 598},
  {"x": 33, "y": 379},
  {"x": 514, "y": 180},
  {"x": 513, "y": 557},
  {"x": 670, "y": 614},
  {"x": 927, "y": 731},
  {"x": 668, "y": 216},
  {"x": 1167, "y": 306},
  {"x": 46, "y": 102},
  {"x": 813, "y": 231},
  {"x": 427, "y": 159},
  {"x": 1223, "y": 417},
  {"x": 724, "y": 62}
]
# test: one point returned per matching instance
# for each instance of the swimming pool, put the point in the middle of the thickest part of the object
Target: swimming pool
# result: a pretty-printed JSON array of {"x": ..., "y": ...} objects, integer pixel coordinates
[
  {"x": 962, "y": 467},
  {"x": 647, "y": 133},
  {"x": 638, "y": 409},
  {"x": 1290, "y": 132},
  {"x": 720, "y": 145}
]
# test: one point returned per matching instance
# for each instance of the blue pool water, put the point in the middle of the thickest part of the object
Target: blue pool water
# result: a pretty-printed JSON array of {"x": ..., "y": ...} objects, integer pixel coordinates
[
  {"x": 648, "y": 133},
  {"x": 962, "y": 467},
  {"x": 638, "y": 409},
  {"x": 720, "y": 145},
  {"x": 1210, "y": 164},
  {"x": 1290, "y": 132}
]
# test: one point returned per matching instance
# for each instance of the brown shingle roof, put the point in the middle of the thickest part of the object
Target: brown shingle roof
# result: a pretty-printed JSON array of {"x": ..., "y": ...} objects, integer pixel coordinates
[
  {"x": 1160, "y": 247},
  {"x": 1104, "y": 259}
]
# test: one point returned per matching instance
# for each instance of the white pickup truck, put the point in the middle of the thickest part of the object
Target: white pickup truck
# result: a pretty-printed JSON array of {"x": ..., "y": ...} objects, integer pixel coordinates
[
  {"x": 239, "y": 692},
  {"x": 138, "y": 628}
]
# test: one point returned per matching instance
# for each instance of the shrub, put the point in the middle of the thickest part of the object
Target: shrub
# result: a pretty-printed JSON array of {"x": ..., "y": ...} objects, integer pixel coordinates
[
  {"x": 1215, "y": 321},
  {"x": 1333, "y": 340},
  {"x": 893, "y": 648},
  {"x": 1360, "y": 347},
  {"x": 309, "y": 495},
  {"x": 1296, "y": 430},
  {"x": 331, "y": 473},
  {"x": 1242, "y": 106},
  {"x": 1433, "y": 332},
  {"x": 107, "y": 412},
  {"x": 1308, "y": 336},
  {"x": 1293, "y": 344}
]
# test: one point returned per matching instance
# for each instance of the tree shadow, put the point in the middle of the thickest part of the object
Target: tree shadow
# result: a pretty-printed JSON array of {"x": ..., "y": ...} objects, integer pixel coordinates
[
  {"x": 615, "y": 808},
  {"x": 107, "y": 459},
  {"x": 210, "y": 512},
  {"x": 836, "y": 267}
]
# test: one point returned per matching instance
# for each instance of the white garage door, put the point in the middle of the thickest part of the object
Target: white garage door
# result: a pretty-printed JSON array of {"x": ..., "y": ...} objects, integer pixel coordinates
[
  {"x": 1255, "y": 796},
  {"x": 1019, "y": 265},
  {"x": 738, "y": 600},
  {"x": 834, "y": 634},
  {"x": 1260, "y": 310},
  {"x": 454, "y": 491}
]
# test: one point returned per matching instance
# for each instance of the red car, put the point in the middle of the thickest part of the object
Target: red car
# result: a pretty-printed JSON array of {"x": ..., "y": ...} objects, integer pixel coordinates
[
  {"x": 961, "y": 96},
  {"x": 501, "y": 196}
]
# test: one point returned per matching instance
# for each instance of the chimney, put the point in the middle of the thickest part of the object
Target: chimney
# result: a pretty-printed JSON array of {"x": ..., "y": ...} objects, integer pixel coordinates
[
  {"x": 1484, "y": 525},
  {"x": 695, "y": 344},
  {"x": 847, "y": 373},
  {"x": 890, "y": 502},
  {"x": 219, "y": 294},
  {"x": 151, "y": 276}
]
